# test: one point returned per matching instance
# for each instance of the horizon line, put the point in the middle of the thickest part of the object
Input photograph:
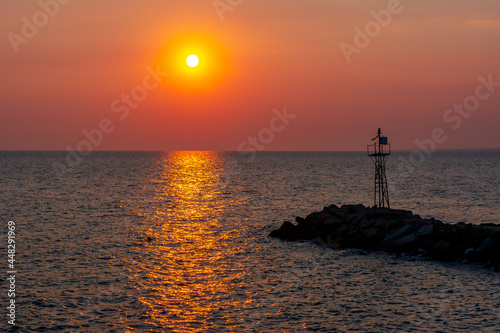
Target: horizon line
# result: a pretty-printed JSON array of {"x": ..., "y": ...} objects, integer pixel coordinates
[{"x": 262, "y": 151}]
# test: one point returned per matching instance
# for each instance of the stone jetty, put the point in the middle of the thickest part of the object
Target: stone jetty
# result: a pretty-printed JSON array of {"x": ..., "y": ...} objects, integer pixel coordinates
[{"x": 396, "y": 231}]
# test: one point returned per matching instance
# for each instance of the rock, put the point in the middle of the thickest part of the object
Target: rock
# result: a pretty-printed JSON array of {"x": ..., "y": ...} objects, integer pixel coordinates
[
  {"x": 339, "y": 214},
  {"x": 353, "y": 220},
  {"x": 275, "y": 233},
  {"x": 335, "y": 243},
  {"x": 496, "y": 265},
  {"x": 381, "y": 223},
  {"x": 486, "y": 245},
  {"x": 441, "y": 246},
  {"x": 322, "y": 216},
  {"x": 320, "y": 241},
  {"x": 354, "y": 239},
  {"x": 371, "y": 233},
  {"x": 332, "y": 223},
  {"x": 398, "y": 233},
  {"x": 353, "y": 227},
  {"x": 403, "y": 241},
  {"x": 364, "y": 224},
  {"x": 424, "y": 230},
  {"x": 353, "y": 209},
  {"x": 316, "y": 219},
  {"x": 394, "y": 212},
  {"x": 343, "y": 228},
  {"x": 300, "y": 220},
  {"x": 427, "y": 245},
  {"x": 311, "y": 216},
  {"x": 332, "y": 209},
  {"x": 287, "y": 231}
]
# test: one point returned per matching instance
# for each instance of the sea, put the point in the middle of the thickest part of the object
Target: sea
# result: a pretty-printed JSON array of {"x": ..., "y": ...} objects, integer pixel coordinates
[{"x": 178, "y": 242}]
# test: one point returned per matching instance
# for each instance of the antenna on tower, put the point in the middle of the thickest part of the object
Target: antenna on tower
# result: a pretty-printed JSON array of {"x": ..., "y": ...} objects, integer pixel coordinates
[{"x": 379, "y": 152}]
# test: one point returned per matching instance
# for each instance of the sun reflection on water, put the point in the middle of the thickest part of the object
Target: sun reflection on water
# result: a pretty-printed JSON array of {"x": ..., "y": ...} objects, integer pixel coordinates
[{"x": 185, "y": 263}]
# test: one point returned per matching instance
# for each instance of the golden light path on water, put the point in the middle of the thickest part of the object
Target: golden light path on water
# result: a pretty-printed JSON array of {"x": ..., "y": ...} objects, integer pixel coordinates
[{"x": 185, "y": 262}]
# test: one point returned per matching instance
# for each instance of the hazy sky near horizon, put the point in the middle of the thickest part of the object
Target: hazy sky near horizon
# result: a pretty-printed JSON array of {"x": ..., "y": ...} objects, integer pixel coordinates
[{"x": 403, "y": 74}]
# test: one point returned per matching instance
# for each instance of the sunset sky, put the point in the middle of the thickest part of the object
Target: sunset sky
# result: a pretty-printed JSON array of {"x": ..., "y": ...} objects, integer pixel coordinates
[{"x": 256, "y": 56}]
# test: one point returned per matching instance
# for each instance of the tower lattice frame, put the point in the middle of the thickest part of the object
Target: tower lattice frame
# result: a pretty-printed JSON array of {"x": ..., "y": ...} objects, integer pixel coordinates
[{"x": 379, "y": 152}]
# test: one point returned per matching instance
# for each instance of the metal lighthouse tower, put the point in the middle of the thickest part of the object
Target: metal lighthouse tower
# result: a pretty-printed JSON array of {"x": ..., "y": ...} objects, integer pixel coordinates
[{"x": 379, "y": 152}]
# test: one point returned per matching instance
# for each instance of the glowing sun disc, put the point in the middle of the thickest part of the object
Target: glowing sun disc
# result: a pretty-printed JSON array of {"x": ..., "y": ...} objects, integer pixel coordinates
[{"x": 192, "y": 60}]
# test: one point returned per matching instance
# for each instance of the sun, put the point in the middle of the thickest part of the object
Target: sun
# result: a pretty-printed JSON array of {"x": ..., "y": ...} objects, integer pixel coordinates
[
  {"x": 192, "y": 60},
  {"x": 195, "y": 63}
]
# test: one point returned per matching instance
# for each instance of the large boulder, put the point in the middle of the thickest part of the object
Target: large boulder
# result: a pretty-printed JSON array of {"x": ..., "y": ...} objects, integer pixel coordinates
[
  {"x": 365, "y": 224},
  {"x": 371, "y": 233},
  {"x": 331, "y": 223},
  {"x": 398, "y": 233},
  {"x": 353, "y": 209},
  {"x": 343, "y": 229},
  {"x": 334, "y": 243},
  {"x": 287, "y": 231},
  {"x": 486, "y": 245},
  {"x": 404, "y": 241},
  {"x": 424, "y": 230},
  {"x": 332, "y": 209}
]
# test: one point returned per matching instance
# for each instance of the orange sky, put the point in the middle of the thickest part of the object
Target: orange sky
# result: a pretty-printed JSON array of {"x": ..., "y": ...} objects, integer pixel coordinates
[{"x": 65, "y": 77}]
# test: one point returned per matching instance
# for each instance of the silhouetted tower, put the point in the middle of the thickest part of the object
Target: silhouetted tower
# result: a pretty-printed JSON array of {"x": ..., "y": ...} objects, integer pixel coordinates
[{"x": 379, "y": 152}]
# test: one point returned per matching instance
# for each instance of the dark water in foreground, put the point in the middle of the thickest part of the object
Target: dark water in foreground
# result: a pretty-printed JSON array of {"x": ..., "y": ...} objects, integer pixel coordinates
[{"x": 85, "y": 263}]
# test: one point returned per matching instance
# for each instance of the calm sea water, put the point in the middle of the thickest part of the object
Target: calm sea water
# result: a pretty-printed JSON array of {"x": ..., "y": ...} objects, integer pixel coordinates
[{"x": 177, "y": 242}]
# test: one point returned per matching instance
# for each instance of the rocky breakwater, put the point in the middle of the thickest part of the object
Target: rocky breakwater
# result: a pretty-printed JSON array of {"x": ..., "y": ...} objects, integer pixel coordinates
[{"x": 396, "y": 231}]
